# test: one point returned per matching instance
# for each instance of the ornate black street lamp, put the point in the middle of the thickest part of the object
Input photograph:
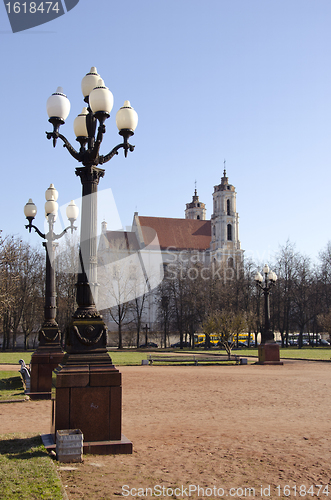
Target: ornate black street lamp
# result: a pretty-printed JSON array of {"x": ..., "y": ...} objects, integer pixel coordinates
[
  {"x": 49, "y": 352},
  {"x": 99, "y": 101},
  {"x": 268, "y": 349},
  {"x": 87, "y": 373}
]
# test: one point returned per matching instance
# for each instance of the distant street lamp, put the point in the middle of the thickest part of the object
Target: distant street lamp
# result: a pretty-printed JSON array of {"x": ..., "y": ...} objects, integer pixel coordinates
[
  {"x": 268, "y": 349},
  {"x": 270, "y": 279},
  {"x": 87, "y": 341},
  {"x": 49, "y": 352}
]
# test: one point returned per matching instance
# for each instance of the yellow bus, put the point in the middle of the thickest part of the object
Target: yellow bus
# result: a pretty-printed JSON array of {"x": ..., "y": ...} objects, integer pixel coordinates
[{"x": 200, "y": 339}]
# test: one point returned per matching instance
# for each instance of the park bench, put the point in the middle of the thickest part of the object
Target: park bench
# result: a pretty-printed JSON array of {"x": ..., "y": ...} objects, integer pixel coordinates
[
  {"x": 192, "y": 359},
  {"x": 25, "y": 374}
]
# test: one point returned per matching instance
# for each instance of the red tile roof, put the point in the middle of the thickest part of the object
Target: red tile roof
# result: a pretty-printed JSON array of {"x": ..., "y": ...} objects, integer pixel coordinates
[{"x": 183, "y": 234}]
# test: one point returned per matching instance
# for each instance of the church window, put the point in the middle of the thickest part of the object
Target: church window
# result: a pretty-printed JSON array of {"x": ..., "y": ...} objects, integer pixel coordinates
[
  {"x": 230, "y": 262},
  {"x": 228, "y": 207},
  {"x": 229, "y": 227}
]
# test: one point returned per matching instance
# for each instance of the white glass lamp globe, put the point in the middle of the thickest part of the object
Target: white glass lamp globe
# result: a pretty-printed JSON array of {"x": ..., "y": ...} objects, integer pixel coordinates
[
  {"x": 51, "y": 207},
  {"x": 30, "y": 209},
  {"x": 258, "y": 277},
  {"x": 58, "y": 105},
  {"x": 80, "y": 128},
  {"x": 126, "y": 117},
  {"x": 51, "y": 193},
  {"x": 90, "y": 81},
  {"x": 101, "y": 99},
  {"x": 72, "y": 210},
  {"x": 272, "y": 276},
  {"x": 266, "y": 269}
]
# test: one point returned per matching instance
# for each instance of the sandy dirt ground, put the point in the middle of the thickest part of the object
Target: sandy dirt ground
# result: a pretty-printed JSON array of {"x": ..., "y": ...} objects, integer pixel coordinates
[{"x": 207, "y": 432}]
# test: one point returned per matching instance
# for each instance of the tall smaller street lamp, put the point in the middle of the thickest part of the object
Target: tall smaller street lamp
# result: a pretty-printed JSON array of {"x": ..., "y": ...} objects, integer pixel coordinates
[
  {"x": 268, "y": 349},
  {"x": 49, "y": 352}
]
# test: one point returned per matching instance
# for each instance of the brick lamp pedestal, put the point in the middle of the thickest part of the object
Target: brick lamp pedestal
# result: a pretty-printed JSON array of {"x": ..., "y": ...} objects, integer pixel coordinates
[
  {"x": 88, "y": 396},
  {"x": 44, "y": 360},
  {"x": 269, "y": 354}
]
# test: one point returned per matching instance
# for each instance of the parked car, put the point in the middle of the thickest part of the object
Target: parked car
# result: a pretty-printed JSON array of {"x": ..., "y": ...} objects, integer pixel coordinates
[
  {"x": 149, "y": 344},
  {"x": 185, "y": 344},
  {"x": 202, "y": 345},
  {"x": 220, "y": 345}
]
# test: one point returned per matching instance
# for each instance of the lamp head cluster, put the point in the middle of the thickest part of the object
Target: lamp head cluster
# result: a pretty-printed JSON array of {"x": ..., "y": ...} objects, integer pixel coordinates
[
  {"x": 100, "y": 102},
  {"x": 51, "y": 205},
  {"x": 51, "y": 209},
  {"x": 270, "y": 277}
]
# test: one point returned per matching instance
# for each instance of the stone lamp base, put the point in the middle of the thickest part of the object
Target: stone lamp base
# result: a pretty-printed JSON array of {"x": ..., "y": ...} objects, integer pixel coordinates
[
  {"x": 269, "y": 354},
  {"x": 88, "y": 396},
  {"x": 43, "y": 361}
]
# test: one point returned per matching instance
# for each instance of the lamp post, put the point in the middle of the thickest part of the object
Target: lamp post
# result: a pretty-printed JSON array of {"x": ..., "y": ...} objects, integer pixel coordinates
[
  {"x": 87, "y": 376},
  {"x": 49, "y": 352},
  {"x": 268, "y": 349}
]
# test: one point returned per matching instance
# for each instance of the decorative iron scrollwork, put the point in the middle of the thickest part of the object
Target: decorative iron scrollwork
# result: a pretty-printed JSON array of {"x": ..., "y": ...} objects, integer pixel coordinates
[
  {"x": 48, "y": 338},
  {"x": 88, "y": 330}
]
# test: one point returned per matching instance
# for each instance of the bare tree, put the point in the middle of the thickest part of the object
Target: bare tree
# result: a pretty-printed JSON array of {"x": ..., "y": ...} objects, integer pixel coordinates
[
  {"x": 302, "y": 310},
  {"x": 137, "y": 308},
  {"x": 9, "y": 280},
  {"x": 283, "y": 293},
  {"x": 21, "y": 291},
  {"x": 66, "y": 264},
  {"x": 121, "y": 281},
  {"x": 324, "y": 277},
  {"x": 32, "y": 283},
  {"x": 227, "y": 324},
  {"x": 325, "y": 322}
]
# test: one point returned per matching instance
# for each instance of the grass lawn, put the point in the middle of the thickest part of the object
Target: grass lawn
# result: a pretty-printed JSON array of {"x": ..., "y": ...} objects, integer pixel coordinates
[
  {"x": 119, "y": 358},
  {"x": 322, "y": 353},
  {"x": 11, "y": 386},
  {"x": 133, "y": 357},
  {"x": 14, "y": 357},
  {"x": 123, "y": 358},
  {"x": 307, "y": 353},
  {"x": 26, "y": 470}
]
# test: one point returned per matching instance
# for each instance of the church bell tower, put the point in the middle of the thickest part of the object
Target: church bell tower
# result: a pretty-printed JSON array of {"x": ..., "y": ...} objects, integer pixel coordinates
[
  {"x": 195, "y": 209},
  {"x": 225, "y": 244}
]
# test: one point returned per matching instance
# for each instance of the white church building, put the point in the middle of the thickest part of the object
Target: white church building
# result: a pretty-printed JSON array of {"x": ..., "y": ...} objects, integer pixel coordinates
[{"x": 155, "y": 242}]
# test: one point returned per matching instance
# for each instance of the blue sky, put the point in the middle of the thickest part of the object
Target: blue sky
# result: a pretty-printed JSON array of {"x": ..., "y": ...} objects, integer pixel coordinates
[{"x": 243, "y": 80}]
